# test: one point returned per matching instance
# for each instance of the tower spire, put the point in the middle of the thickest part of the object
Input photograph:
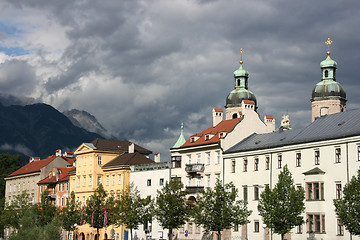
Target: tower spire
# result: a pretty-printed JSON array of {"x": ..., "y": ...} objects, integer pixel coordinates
[{"x": 328, "y": 43}]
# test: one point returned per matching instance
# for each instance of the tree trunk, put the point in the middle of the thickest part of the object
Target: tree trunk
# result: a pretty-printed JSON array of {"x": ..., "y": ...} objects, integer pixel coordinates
[
  {"x": 169, "y": 234},
  {"x": 97, "y": 234},
  {"x": 131, "y": 234},
  {"x": 282, "y": 236},
  {"x": 219, "y": 235}
]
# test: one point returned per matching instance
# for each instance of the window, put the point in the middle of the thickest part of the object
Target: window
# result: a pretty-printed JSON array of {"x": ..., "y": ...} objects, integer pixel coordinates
[
  {"x": 74, "y": 183},
  {"x": 198, "y": 181},
  {"x": 256, "y": 226},
  {"x": 236, "y": 228},
  {"x": 338, "y": 191},
  {"x": 298, "y": 159},
  {"x": 99, "y": 160},
  {"x": 340, "y": 227},
  {"x": 62, "y": 201},
  {"x": 161, "y": 182},
  {"x": 113, "y": 180},
  {"x": 190, "y": 228},
  {"x": 217, "y": 176},
  {"x": 84, "y": 181},
  {"x": 90, "y": 180},
  {"x": 85, "y": 161},
  {"x": 207, "y": 138},
  {"x": 208, "y": 158},
  {"x": 317, "y": 157},
  {"x": 245, "y": 165},
  {"x": 79, "y": 161},
  {"x": 267, "y": 163},
  {"x": 256, "y": 164},
  {"x": 256, "y": 192},
  {"x": 208, "y": 180},
  {"x": 279, "y": 161},
  {"x": 41, "y": 189},
  {"x": 176, "y": 161},
  {"x": 107, "y": 180},
  {"x": 189, "y": 181},
  {"x": 218, "y": 157},
  {"x": 90, "y": 160},
  {"x": 315, "y": 191},
  {"x": 316, "y": 223},
  {"x": 299, "y": 229},
  {"x": 233, "y": 166},
  {"x": 148, "y": 182},
  {"x": 337, "y": 155},
  {"x": 198, "y": 158},
  {"x": 99, "y": 181},
  {"x": 78, "y": 181},
  {"x": 358, "y": 153},
  {"x": 119, "y": 179}
]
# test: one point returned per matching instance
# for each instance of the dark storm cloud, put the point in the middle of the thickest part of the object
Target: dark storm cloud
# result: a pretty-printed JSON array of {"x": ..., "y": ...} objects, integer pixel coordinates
[
  {"x": 17, "y": 77},
  {"x": 143, "y": 67}
]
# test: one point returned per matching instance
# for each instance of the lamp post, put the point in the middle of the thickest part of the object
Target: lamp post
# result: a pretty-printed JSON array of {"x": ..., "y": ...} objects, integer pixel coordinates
[
  {"x": 75, "y": 231},
  {"x": 264, "y": 226}
]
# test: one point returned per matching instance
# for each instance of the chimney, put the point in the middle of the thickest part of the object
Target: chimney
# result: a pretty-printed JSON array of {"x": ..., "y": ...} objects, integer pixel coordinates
[
  {"x": 157, "y": 157},
  {"x": 58, "y": 153},
  {"x": 33, "y": 159},
  {"x": 217, "y": 116},
  {"x": 131, "y": 147}
]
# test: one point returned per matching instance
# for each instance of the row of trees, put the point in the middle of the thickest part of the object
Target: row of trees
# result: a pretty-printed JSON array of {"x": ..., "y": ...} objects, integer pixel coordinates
[{"x": 215, "y": 209}]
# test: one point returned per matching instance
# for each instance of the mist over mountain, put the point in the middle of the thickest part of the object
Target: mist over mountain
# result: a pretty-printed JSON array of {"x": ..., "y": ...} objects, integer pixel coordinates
[{"x": 87, "y": 121}]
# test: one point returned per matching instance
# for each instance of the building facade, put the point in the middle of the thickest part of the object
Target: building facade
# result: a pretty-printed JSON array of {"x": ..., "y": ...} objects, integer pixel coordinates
[
  {"x": 198, "y": 161},
  {"x": 322, "y": 158}
]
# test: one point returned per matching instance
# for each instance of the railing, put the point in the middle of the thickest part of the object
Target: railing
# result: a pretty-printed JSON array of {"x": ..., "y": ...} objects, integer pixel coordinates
[
  {"x": 194, "y": 189},
  {"x": 194, "y": 168}
]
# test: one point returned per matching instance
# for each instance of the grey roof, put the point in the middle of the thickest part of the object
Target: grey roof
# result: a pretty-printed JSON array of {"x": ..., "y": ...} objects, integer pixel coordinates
[{"x": 334, "y": 126}]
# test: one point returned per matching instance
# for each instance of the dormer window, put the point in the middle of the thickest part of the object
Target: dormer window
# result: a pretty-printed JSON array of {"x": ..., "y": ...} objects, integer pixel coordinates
[
  {"x": 207, "y": 137},
  {"x": 192, "y": 139},
  {"x": 234, "y": 115}
]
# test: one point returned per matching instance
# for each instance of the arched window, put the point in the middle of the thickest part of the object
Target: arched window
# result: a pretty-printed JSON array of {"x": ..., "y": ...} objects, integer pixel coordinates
[
  {"x": 238, "y": 82},
  {"x": 326, "y": 73},
  {"x": 234, "y": 115}
]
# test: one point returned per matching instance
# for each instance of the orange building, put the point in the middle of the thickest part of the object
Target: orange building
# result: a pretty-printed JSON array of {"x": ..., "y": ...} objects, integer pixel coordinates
[{"x": 57, "y": 185}]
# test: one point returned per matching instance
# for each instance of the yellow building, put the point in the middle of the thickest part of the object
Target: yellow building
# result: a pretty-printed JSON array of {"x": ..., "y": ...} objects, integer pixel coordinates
[{"x": 105, "y": 162}]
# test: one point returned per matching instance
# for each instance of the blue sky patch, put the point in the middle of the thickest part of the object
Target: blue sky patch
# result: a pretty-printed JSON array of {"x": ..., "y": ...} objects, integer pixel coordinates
[{"x": 14, "y": 51}]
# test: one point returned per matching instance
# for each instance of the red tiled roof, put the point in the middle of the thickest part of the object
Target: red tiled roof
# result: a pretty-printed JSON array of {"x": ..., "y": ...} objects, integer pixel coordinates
[
  {"x": 269, "y": 117},
  {"x": 62, "y": 177},
  {"x": 248, "y": 102},
  {"x": 223, "y": 126},
  {"x": 36, "y": 166},
  {"x": 218, "y": 110}
]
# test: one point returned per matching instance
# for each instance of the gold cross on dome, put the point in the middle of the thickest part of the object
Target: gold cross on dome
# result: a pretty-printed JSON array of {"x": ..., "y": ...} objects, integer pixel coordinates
[
  {"x": 328, "y": 43},
  {"x": 241, "y": 53}
]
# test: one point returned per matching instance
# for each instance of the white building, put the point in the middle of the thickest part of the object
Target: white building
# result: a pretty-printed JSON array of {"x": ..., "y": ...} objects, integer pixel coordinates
[
  {"x": 198, "y": 162},
  {"x": 322, "y": 158},
  {"x": 148, "y": 179}
]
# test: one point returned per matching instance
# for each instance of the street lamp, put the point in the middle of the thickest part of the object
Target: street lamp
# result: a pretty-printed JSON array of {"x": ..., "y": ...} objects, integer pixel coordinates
[{"x": 75, "y": 231}]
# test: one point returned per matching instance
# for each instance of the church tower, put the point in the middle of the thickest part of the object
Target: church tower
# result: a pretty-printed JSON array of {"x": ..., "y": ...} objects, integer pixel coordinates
[
  {"x": 328, "y": 96},
  {"x": 240, "y": 99}
]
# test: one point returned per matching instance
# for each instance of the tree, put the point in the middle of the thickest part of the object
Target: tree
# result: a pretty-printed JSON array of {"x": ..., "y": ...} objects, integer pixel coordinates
[
  {"x": 14, "y": 211},
  {"x": 282, "y": 207},
  {"x": 348, "y": 207},
  {"x": 70, "y": 214},
  {"x": 133, "y": 210},
  {"x": 217, "y": 209},
  {"x": 171, "y": 208},
  {"x": 94, "y": 211},
  {"x": 45, "y": 210}
]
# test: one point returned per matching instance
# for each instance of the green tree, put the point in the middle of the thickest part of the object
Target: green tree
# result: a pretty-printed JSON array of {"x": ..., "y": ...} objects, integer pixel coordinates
[
  {"x": 70, "y": 214},
  {"x": 217, "y": 209},
  {"x": 171, "y": 208},
  {"x": 282, "y": 207},
  {"x": 13, "y": 212},
  {"x": 133, "y": 210},
  {"x": 348, "y": 207},
  {"x": 45, "y": 210},
  {"x": 96, "y": 205}
]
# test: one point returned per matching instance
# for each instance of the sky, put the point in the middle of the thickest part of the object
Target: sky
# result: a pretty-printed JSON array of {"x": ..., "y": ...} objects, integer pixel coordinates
[{"x": 143, "y": 67}]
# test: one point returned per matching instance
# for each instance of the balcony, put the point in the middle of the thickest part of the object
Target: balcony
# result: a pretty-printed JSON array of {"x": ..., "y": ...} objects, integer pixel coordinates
[
  {"x": 194, "y": 168},
  {"x": 194, "y": 189}
]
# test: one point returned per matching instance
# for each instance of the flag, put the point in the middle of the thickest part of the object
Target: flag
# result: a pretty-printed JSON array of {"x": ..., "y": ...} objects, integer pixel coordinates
[
  {"x": 81, "y": 218},
  {"x": 105, "y": 216},
  {"x": 92, "y": 216}
]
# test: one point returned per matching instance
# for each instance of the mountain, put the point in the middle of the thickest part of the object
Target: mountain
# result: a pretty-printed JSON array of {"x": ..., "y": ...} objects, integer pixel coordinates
[
  {"x": 87, "y": 121},
  {"x": 39, "y": 130}
]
